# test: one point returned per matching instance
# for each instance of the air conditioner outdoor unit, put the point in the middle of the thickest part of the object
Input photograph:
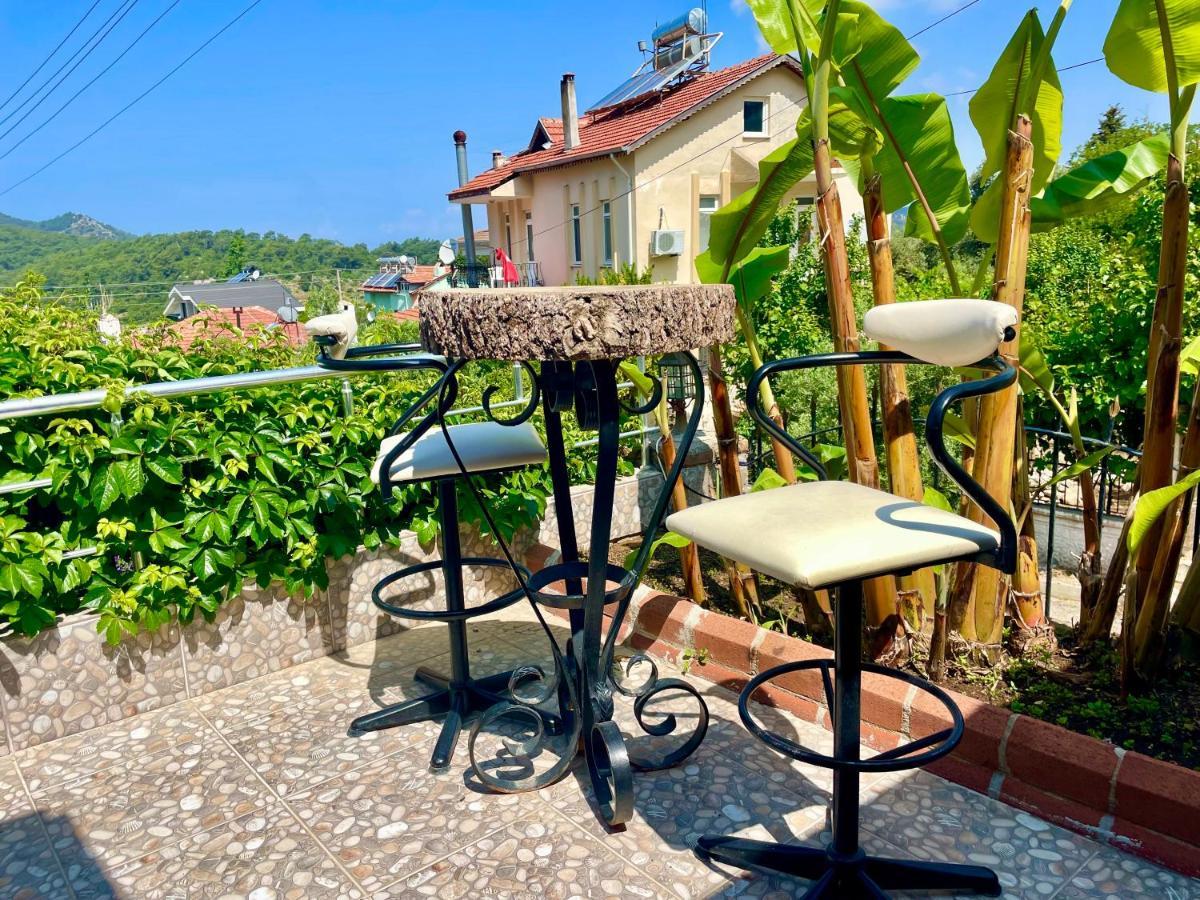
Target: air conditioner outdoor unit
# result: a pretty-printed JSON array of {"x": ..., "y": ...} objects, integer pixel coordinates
[{"x": 667, "y": 243}]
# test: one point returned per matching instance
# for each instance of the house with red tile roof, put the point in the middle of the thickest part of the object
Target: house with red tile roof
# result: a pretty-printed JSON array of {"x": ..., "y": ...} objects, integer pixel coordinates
[
  {"x": 234, "y": 323},
  {"x": 636, "y": 180}
]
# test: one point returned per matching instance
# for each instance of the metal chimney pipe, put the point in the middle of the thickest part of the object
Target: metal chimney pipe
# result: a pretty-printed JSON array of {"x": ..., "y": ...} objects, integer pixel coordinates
[
  {"x": 570, "y": 112},
  {"x": 460, "y": 151}
]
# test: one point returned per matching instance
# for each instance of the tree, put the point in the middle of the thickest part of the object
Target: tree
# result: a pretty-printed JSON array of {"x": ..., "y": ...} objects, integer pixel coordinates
[{"x": 236, "y": 255}]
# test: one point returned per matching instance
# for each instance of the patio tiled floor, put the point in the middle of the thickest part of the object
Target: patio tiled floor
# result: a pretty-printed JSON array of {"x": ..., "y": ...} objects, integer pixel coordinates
[{"x": 257, "y": 791}]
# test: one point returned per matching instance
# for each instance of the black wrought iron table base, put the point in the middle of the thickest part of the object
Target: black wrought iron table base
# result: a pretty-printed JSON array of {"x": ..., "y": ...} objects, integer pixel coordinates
[
  {"x": 852, "y": 876},
  {"x": 457, "y": 702},
  {"x": 588, "y": 675}
]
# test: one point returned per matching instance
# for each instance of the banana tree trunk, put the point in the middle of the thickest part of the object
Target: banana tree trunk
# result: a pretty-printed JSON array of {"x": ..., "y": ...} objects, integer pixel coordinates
[
  {"x": 1090, "y": 569},
  {"x": 741, "y": 579},
  {"x": 982, "y": 617},
  {"x": 880, "y": 593},
  {"x": 1099, "y": 625},
  {"x": 1162, "y": 380},
  {"x": 689, "y": 555},
  {"x": 917, "y": 592},
  {"x": 1030, "y": 627},
  {"x": 1158, "y": 554}
]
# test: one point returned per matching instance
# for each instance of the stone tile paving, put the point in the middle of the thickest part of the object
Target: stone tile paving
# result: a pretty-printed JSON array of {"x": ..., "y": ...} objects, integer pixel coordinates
[{"x": 257, "y": 791}]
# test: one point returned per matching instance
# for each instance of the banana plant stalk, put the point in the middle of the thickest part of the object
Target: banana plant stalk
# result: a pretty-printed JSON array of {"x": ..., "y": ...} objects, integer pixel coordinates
[
  {"x": 981, "y": 615},
  {"x": 1029, "y": 616},
  {"x": 689, "y": 554},
  {"x": 880, "y": 593},
  {"x": 917, "y": 591},
  {"x": 741, "y": 580}
]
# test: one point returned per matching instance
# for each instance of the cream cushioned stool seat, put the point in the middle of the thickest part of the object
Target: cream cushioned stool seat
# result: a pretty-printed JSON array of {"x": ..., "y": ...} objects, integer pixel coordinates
[
  {"x": 483, "y": 446},
  {"x": 822, "y": 533}
]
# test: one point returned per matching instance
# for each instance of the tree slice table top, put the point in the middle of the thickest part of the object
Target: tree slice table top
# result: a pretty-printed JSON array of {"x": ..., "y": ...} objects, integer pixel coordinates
[{"x": 576, "y": 322}]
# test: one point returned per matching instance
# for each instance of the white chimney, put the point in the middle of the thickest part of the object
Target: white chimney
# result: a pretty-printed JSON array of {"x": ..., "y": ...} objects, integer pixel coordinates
[
  {"x": 498, "y": 159},
  {"x": 570, "y": 112}
]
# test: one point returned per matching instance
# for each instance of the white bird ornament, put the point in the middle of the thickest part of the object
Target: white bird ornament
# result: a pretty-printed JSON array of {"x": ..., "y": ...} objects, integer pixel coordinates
[{"x": 342, "y": 326}]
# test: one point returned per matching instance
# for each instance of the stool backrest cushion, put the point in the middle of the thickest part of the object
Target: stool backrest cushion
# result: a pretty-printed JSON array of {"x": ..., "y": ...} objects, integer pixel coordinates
[{"x": 943, "y": 332}]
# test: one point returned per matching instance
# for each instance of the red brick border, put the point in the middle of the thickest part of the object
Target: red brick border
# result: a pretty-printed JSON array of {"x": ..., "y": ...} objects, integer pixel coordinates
[{"x": 1135, "y": 803}]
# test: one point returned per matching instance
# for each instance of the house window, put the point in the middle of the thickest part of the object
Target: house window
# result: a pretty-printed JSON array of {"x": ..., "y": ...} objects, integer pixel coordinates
[
  {"x": 754, "y": 118},
  {"x": 708, "y": 206},
  {"x": 608, "y": 242},
  {"x": 576, "y": 237},
  {"x": 529, "y": 237}
]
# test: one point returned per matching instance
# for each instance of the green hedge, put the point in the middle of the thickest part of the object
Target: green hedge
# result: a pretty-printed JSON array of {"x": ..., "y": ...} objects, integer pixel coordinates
[{"x": 189, "y": 498}]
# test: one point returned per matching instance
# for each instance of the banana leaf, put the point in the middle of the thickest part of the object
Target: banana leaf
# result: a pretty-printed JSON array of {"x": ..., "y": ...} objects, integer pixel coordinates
[
  {"x": 737, "y": 227},
  {"x": 994, "y": 109},
  {"x": 1088, "y": 188},
  {"x": 750, "y": 277},
  {"x": 1134, "y": 51},
  {"x": 1150, "y": 507}
]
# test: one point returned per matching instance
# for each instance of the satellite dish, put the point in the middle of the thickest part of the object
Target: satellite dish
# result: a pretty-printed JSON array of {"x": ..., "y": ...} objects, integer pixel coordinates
[
  {"x": 403, "y": 260},
  {"x": 446, "y": 253},
  {"x": 288, "y": 315}
]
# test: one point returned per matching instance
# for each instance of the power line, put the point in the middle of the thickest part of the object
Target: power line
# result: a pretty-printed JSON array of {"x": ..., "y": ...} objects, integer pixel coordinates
[
  {"x": 941, "y": 20},
  {"x": 122, "y": 11},
  {"x": 1079, "y": 65},
  {"x": 49, "y": 57},
  {"x": 95, "y": 78},
  {"x": 91, "y": 134}
]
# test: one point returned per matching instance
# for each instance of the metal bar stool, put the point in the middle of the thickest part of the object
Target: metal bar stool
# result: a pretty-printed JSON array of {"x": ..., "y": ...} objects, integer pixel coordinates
[
  {"x": 835, "y": 535},
  {"x": 423, "y": 454}
]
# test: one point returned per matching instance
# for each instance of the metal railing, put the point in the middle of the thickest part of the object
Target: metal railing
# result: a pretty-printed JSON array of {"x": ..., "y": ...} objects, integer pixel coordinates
[{"x": 56, "y": 404}]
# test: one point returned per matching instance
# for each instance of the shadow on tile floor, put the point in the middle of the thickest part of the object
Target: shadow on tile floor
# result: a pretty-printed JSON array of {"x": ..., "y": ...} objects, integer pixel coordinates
[{"x": 30, "y": 868}]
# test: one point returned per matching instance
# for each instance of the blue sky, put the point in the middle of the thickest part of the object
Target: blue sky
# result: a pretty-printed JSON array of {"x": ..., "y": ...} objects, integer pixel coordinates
[{"x": 334, "y": 118}]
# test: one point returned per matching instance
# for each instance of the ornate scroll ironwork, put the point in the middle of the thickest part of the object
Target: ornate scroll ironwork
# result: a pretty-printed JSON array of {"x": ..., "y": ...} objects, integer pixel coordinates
[{"x": 587, "y": 675}]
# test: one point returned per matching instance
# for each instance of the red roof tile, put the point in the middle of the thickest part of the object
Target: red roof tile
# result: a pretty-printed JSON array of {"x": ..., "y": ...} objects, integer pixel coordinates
[
  {"x": 623, "y": 127},
  {"x": 232, "y": 323}
]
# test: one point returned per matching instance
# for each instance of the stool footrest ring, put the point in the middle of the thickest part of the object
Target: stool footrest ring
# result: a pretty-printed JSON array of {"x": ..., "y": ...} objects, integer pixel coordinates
[
  {"x": 441, "y": 615},
  {"x": 939, "y": 744}
]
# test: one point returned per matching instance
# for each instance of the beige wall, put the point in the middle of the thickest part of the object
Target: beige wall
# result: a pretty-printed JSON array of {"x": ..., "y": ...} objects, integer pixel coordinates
[{"x": 705, "y": 155}]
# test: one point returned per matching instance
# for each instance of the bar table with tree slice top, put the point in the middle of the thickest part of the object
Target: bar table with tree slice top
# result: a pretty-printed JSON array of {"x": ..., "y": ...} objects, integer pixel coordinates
[{"x": 572, "y": 341}]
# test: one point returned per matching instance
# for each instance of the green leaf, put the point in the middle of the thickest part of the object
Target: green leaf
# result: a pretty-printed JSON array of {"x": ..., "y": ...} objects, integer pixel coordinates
[
  {"x": 669, "y": 538},
  {"x": 937, "y": 500},
  {"x": 131, "y": 476},
  {"x": 166, "y": 468},
  {"x": 642, "y": 383},
  {"x": 995, "y": 106},
  {"x": 751, "y": 278},
  {"x": 1152, "y": 505},
  {"x": 106, "y": 489},
  {"x": 1134, "y": 49},
  {"x": 1189, "y": 358},
  {"x": 768, "y": 479},
  {"x": 211, "y": 524},
  {"x": 1087, "y": 189},
  {"x": 778, "y": 21},
  {"x": 918, "y": 137},
  {"x": 737, "y": 227},
  {"x": 956, "y": 429},
  {"x": 1077, "y": 468},
  {"x": 1034, "y": 371},
  {"x": 22, "y": 577},
  {"x": 886, "y": 58},
  {"x": 211, "y": 561}
]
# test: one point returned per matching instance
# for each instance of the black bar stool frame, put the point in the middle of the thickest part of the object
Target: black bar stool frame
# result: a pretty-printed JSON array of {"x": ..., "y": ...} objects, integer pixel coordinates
[
  {"x": 843, "y": 869},
  {"x": 456, "y": 696}
]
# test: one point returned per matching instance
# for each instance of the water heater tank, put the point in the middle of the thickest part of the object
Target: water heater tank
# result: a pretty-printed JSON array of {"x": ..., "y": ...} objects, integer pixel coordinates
[{"x": 690, "y": 23}]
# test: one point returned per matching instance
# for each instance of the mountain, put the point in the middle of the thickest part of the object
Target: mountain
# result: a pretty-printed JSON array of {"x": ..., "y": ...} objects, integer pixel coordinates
[
  {"x": 68, "y": 223},
  {"x": 77, "y": 254}
]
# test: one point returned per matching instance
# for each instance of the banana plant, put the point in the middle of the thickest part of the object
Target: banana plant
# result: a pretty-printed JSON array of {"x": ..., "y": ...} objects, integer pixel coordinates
[{"x": 1155, "y": 45}]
